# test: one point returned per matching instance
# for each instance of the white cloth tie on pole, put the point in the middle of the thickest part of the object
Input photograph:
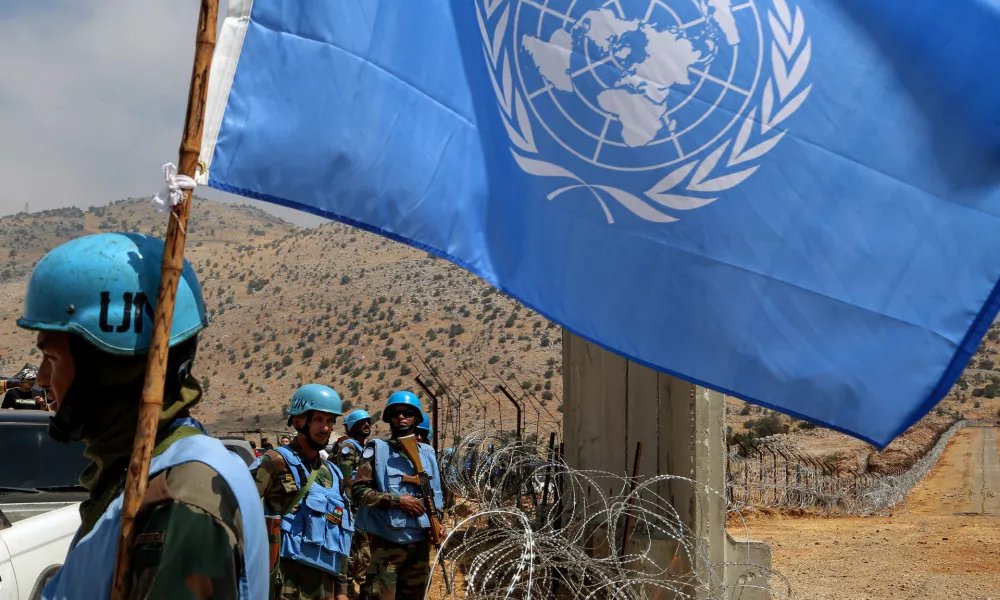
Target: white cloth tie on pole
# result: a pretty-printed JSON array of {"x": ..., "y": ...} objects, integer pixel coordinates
[{"x": 173, "y": 194}]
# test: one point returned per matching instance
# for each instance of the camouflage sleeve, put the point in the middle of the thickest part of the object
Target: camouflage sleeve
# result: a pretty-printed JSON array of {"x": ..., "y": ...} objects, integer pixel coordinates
[
  {"x": 263, "y": 474},
  {"x": 272, "y": 486},
  {"x": 190, "y": 538},
  {"x": 363, "y": 490},
  {"x": 347, "y": 460}
]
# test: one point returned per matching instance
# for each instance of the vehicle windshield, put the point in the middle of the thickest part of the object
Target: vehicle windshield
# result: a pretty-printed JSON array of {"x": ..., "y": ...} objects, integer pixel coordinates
[{"x": 30, "y": 459}]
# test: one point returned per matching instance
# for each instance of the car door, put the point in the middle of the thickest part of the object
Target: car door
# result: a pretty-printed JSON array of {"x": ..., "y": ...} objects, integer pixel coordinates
[{"x": 8, "y": 585}]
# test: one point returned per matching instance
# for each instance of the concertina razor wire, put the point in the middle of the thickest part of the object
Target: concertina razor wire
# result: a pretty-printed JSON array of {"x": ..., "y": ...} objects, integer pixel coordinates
[{"x": 528, "y": 526}]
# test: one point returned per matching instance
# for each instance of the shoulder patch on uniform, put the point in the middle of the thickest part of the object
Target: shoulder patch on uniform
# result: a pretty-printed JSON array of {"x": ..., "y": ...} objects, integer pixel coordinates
[
  {"x": 369, "y": 452},
  {"x": 346, "y": 450}
]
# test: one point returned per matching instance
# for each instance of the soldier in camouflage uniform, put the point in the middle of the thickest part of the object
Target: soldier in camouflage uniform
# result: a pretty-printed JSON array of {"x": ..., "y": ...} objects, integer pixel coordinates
[
  {"x": 199, "y": 530},
  {"x": 347, "y": 451},
  {"x": 307, "y": 570},
  {"x": 390, "y": 509}
]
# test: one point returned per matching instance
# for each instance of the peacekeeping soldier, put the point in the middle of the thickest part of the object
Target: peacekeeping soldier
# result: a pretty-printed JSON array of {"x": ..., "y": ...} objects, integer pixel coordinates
[
  {"x": 448, "y": 474},
  {"x": 424, "y": 431},
  {"x": 392, "y": 510},
  {"x": 200, "y": 529},
  {"x": 357, "y": 426},
  {"x": 307, "y": 494}
]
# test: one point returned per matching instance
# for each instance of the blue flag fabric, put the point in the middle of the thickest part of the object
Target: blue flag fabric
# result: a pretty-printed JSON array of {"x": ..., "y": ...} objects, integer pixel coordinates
[{"x": 795, "y": 202}]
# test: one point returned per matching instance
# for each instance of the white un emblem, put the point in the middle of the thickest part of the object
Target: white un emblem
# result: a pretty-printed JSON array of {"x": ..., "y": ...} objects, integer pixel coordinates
[{"x": 679, "y": 97}]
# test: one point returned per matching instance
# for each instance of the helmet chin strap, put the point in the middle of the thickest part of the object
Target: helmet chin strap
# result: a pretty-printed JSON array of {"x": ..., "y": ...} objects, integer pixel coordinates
[
  {"x": 399, "y": 431},
  {"x": 304, "y": 430},
  {"x": 67, "y": 424}
]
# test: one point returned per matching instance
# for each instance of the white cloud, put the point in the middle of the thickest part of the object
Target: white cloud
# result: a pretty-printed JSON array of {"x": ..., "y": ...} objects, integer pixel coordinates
[{"x": 92, "y": 99}]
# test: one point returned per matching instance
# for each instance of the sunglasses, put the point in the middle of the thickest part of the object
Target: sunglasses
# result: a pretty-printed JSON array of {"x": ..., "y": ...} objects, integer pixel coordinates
[{"x": 402, "y": 413}]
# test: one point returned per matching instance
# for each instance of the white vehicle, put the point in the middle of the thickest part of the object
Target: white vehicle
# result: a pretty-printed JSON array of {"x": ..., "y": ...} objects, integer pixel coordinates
[
  {"x": 39, "y": 502},
  {"x": 240, "y": 447}
]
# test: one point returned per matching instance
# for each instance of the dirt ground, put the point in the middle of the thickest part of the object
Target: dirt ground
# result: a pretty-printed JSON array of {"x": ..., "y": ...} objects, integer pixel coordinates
[{"x": 945, "y": 544}]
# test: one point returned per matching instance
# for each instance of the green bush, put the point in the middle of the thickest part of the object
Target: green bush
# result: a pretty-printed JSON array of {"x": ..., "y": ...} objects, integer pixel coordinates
[{"x": 767, "y": 425}]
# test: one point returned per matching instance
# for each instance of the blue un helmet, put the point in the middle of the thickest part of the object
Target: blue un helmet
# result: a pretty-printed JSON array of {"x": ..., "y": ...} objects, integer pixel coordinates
[
  {"x": 313, "y": 396},
  {"x": 103, "y": 288},
  {"x": 354, "y": 418},
  {"x": 406, "y": 398},
  {"x": 425, "y": 425}
]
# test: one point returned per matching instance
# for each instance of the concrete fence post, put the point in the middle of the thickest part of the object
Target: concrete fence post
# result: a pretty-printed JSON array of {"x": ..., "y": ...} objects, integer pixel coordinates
[{"x": 611, "y": 403}]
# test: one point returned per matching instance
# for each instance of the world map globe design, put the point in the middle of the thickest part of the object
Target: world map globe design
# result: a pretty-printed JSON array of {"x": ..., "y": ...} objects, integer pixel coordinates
[{"x": 637, "y": 85}]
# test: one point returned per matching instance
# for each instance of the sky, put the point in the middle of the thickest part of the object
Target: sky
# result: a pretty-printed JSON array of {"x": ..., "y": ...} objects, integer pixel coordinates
[{"x": 92, "y": 101}]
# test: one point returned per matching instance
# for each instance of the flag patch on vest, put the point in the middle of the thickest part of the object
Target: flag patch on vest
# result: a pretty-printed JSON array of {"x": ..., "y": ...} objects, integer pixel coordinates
[
  {"x": 336, "y": 517},
  {"x": 369, "y": 452}
]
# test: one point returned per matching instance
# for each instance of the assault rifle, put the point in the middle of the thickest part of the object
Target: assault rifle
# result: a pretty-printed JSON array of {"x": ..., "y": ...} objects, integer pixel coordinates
[{"x": 411, "y": 449}]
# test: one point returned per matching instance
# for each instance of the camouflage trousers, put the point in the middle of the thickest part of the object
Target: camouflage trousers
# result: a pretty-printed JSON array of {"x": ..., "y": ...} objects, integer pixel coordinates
[
  {"x": 397, "y": 571},
  {"x": 301, "y": 582},
  {"x": 357, "y": 566}
]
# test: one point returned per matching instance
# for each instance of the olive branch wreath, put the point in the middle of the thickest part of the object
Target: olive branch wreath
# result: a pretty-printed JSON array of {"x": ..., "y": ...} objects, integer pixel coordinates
[{"x": 791, "y": 52}]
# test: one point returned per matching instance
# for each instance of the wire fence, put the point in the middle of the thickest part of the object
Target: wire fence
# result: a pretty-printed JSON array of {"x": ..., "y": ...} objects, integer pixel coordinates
[
  {"x": 770, "y": 474},
  {"x": 528, "y": 526}
]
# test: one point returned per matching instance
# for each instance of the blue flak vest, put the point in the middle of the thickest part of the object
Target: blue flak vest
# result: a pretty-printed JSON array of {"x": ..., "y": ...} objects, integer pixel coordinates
[
  {"x": 394, "y": 524},
  {"x": 318, "y": 531},
  {"x": 90, "y": 564}
]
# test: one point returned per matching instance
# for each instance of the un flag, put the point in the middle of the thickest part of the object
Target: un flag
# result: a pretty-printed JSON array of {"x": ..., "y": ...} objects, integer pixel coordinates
[{"x": 793, "y": 201}]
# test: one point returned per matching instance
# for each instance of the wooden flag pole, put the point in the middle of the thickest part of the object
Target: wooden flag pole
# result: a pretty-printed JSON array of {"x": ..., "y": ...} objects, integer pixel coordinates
[{"x": 170, "y": 273}]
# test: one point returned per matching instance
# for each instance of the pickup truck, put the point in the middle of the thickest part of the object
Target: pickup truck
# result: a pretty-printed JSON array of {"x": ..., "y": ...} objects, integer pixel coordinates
[{"x": 39, "y": 502}]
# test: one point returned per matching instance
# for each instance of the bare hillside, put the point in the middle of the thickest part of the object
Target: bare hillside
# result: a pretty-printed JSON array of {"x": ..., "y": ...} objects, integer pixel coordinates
[{"x": 333, "y": 305}]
